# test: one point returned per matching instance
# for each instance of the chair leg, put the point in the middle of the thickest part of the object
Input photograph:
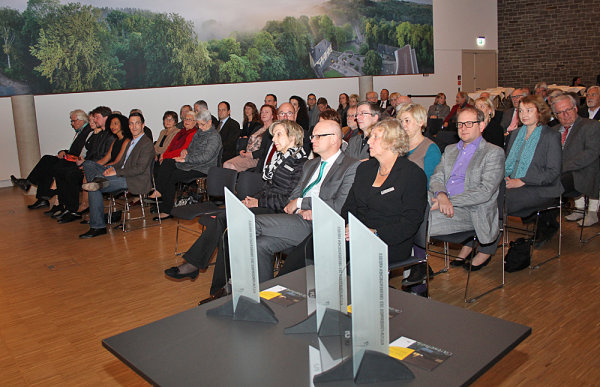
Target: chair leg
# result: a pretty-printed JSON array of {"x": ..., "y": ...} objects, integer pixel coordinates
[{"x": 473, "y": 299}]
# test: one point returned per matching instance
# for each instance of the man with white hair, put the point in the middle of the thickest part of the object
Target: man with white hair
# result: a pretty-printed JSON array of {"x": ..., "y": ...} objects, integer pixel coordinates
[
  {"x": 592, "y": 100},
  {"x": 42, "y": 174},
  {"x": 580, "y": 139}
]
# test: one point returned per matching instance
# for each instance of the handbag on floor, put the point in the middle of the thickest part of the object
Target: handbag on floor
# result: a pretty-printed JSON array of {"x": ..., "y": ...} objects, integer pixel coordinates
[{"x": 518, "y": 256}]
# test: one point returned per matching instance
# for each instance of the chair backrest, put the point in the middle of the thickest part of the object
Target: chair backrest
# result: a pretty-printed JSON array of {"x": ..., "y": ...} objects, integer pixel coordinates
[
  {"x": 248, "y": 184},
  {"x": 218, "y": 178}
]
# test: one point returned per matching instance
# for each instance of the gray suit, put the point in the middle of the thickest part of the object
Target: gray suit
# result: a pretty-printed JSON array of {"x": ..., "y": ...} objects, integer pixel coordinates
[
  {"x": 580, "y": 155},
  {"x": 277, "y": 232},
  {"x": 476, "y": 208}
]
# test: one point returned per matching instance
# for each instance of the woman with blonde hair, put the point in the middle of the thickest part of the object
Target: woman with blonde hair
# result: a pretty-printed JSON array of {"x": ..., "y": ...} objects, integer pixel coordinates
[{"x": 389, "y": 194}]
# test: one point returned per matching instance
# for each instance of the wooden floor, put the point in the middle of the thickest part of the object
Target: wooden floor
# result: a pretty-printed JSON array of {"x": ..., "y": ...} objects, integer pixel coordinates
[{"x": 60, "y": 296}]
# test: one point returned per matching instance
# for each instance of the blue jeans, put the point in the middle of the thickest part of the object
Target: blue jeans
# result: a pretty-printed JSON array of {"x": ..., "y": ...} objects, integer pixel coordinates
[
  {"x": 116, "y": 183},
  {"x": 92, "y": 169}
]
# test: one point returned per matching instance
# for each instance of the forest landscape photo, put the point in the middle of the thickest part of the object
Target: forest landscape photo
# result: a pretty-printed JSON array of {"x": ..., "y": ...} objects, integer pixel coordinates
[{"x": 52, "y": 46}]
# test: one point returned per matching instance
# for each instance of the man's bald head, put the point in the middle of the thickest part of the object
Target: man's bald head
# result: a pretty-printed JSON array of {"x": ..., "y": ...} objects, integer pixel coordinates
[
  {"x": 286, "y": 111},
  {"x": 326, "y": 138}
]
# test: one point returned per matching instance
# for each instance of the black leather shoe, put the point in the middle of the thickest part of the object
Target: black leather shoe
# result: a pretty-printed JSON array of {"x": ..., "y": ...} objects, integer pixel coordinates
[
  {"x": 24, "y": 184},
  {"x": 218, "y": 294},
  {"x": 59, "y": 214},
  {"x": 40, "y": 203},
  {"x": 69, "y": 217},
  {"x": 54, "y": 209},
  {"x": 93, "y": 232},
  {"x": 478, "y": 267},
  {"x": 457, "y": 263},
  {"x": 173, "y": 272},
  {"x": 156, "y": 218}
]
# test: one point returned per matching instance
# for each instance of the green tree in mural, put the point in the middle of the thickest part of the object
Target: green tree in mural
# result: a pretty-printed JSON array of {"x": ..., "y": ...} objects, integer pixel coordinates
[
  {"x": 373, "y": 63},
  {"x": 173, "y": 54},
  {"x": 238, "y": 69},
  {"x": 11, "y": 23},
  {"x": 71, "y": 54}
]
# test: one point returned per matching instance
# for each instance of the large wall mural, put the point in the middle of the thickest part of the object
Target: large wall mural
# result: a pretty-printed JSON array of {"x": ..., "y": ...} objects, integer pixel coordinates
[{"x": 52, "y": 46}]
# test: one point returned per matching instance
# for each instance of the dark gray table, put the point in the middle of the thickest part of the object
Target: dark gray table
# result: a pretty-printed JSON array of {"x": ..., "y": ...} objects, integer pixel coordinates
[{"x": 190, "y": 348}]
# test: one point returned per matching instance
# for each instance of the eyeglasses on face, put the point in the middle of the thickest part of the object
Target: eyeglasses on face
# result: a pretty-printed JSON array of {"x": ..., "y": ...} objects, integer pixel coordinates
[
  {"x": 467, "y": 124},
  {"x": 318, "y": 136},
  {"x": 564, "y": 111}
]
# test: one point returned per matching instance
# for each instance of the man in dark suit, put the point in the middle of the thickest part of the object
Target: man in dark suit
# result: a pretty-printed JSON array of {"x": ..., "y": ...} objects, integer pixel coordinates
[
  {"x": 580, "y": 139},
  {"x": 510, "y": 117},
  {"x": 229, "y": 129},
  {"x": 131, "y": 173},
  {"x": 328, "y": 176},
  {"x": 383, "y": 101},
  {"x": 42, "y": 174},
  {"x": 592, "y": 100}
]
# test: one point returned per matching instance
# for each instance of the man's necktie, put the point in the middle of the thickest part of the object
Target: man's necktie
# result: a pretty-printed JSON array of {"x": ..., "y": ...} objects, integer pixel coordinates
[
  {"x": 563, "y": 136},
  {"x": 514, "y": 124},
  {"x": 220, "y": 126},
  {"x": 317, "y": 180}
]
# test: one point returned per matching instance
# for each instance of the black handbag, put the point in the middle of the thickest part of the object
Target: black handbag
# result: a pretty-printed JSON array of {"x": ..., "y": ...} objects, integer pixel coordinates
[{"x": 518, "y": 256}]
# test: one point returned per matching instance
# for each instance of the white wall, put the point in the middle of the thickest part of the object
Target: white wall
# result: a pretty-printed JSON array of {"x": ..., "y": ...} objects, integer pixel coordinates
[{"x": 457, "y": 23}]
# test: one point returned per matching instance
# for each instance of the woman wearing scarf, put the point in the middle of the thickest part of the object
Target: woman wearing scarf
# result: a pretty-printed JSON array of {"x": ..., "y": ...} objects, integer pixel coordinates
[
  {"x": 533, "y": 164},
  {"x": 280, "y": 175}
]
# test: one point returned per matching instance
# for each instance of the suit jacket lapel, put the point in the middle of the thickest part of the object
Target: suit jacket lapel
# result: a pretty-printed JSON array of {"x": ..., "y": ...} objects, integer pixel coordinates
[
  {"x": 573, "y": 131},
  {"x": 329, "y": 176},
  {"x": 309, "y": 172}
]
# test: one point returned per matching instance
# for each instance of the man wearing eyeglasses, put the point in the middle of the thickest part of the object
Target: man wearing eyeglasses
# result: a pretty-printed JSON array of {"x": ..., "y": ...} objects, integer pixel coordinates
[
  {"x": 367, "y": 115},
  {"x": 580, "y": 139},
  {"x": 328, "y": 176},
  {"x": 464, "y": 188},
  {"x": 510, "y": 117}
]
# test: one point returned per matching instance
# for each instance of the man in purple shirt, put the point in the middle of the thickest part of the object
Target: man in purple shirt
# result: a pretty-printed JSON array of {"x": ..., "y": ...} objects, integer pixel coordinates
[{"x": 464, "y": 189}]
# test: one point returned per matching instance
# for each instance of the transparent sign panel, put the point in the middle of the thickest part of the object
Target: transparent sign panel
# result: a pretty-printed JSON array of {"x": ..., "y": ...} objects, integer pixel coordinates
[{"x": 242, "y": 249}]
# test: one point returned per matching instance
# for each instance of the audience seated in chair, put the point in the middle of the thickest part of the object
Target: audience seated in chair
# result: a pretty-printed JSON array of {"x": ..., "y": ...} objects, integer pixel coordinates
[
  {"x": 580, "y": 138},
  {"x": 202, "y": 153},
  {"x": 42, "y": 175},
  {"x": 68, "y": 176},
  {"x": 367, "y": 115},
  {"x": 166, "y": 135},
  {"x": 249, "y": 157},
  {"x": 330, "y": 176},
  {"x": 464, "y": 188},
  {"x": 532, "y": 170},
  {"x": 132, "y": 173},
  {"x": 280, "y": 176}
]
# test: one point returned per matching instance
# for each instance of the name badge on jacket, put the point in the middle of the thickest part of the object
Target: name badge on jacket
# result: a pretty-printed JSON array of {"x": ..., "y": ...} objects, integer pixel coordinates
[
  {"x": 289, "y": 168},
  {"x": 387, "y": 190}
]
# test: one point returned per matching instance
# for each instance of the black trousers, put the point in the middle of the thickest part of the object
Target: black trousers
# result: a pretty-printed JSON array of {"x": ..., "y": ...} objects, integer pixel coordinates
[
  {"x": 212, "y": 237},
  {"x": 166, "y": 183},
  {"x": 68, "y": 178},
  {"x": 42, "y": 175}
]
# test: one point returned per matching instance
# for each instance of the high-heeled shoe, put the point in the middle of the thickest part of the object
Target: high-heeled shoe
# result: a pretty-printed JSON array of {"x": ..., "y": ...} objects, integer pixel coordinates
[
  {"x": 478, "y": 267},
  {"x": 458, "y": 262},
  {"x": 173, "y": 272}
]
